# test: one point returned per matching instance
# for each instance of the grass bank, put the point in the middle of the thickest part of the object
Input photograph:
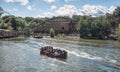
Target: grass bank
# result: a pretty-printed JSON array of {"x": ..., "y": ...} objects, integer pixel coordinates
[
  {"x": 19, "y": 38},
  {"x": 88, "y": 42}
]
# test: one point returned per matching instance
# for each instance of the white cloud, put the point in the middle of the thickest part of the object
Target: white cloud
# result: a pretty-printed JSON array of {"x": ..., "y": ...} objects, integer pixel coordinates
[
  {"x": 49, "y": 1},
  {"x": 23, "y": 2},
  {"x": 95, "y": 10},
  {"x": 39, "y": 16},
  {"x": 111, "y": 9},
  {"x": 66, "y": 10},
  {"x": 29, "y": 7},
  {"x": 44, "y": 14},
  {"x": 69, "y": 10},
  {"x": 15, "y": 9},
  {"x": 48, "y": 14},
  {"x": 53, "y": 7}
]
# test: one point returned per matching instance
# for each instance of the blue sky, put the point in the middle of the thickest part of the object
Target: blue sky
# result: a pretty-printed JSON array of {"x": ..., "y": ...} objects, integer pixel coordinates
[{"x": 49, "y": 8}]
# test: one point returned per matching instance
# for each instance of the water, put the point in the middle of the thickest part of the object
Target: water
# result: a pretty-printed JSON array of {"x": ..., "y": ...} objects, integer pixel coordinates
[{"x": 24, "y": 56}]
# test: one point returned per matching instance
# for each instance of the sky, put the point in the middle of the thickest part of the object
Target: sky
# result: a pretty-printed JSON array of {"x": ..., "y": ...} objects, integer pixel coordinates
[{"x": 49, "y": 8}]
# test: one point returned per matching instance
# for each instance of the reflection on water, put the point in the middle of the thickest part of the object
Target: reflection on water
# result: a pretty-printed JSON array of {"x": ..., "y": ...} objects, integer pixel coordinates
[{"x": 24, "y": 56}]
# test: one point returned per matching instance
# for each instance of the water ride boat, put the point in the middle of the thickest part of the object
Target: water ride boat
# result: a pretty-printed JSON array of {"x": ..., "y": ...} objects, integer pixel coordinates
[{"x": 54, "y": 53}]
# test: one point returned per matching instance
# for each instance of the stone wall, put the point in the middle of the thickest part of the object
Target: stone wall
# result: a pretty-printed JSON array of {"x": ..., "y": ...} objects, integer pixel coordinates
[
  {"x": 7, "y": 33},
  {"x": 60, "y": 25}
]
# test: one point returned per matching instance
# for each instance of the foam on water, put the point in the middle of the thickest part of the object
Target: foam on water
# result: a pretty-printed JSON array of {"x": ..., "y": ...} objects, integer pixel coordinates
[{"x": 77, "y": 53}]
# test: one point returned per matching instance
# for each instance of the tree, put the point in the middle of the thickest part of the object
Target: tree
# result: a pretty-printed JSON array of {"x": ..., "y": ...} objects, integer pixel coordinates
[
  {"x": 10, "y": 28},
  {"x": 84, "y": 30},
  {"x": 116, "y": 13},
  {"x": 76, "y": 18},
  {"x": 21, "y": 23},
  {"x": 105, "y": 30},
  {"x": 26, "y": 31},
  {"x": 1, "y": 11},
  {"x": 52, "y": 33},
  {"x": 84, "y": 26},
  {"x": 100, "y": 28},
  {"x": 97, "y": 28},
  {"x": 29, "y": 19},
  {"x": 79, "y": 23},
  {"x": 118, "y": 32},
  {"x": 19, "y": 29},
  {"x": 14, "y": 24}
]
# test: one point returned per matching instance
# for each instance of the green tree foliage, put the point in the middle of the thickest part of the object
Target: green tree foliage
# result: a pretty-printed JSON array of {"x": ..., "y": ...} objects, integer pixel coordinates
[
  {"x": 52, "y": 33},
  {"x": 10, "y": 28},
  {"x": 81, "y": 20},
  {"x": 13, "y": 23},
  {"x": 75, "y": 17},
  {"x": 84, "y": 27},
  {"x": 116, "y": 13},
  {"x": 38, "y": 20},
  {"x": 1, "y": 21},
  {"x": 26, "y": 31},
  {"x": 84, "y": 33},
  {"x": 20, "y": 29},
  {"x": 118, "y": 32},
  {"x": 6, "y": 17},
  {"x": 5, "y": 26},
  {"x": 17, "y": 23},
  {"x": 29, "y": 19},
  {"x": 105, "y": 30},
  {"x": 97, "y": 28},
  {"x": 21, "y": 23},
  {"x": 1, "y": 11}
]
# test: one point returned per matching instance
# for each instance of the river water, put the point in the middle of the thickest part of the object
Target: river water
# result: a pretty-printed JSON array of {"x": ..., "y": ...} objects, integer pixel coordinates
[{"x": 24, "y": 56}]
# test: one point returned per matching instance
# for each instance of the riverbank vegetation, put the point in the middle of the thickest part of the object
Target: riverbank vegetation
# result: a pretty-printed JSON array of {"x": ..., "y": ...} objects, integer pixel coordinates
[
  {"x": 52, "y": 33},
  {"x": 103, "y": 27},
  {"x": 87, "y": 42},
  {"x": 118, "y": 32}
]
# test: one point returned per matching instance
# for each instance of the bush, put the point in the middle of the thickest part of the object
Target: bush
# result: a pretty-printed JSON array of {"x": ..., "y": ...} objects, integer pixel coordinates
[
  {"x": 52, "y": 33},
  {"x": 59, "y": 35},
  {"x": 118, "y": 32},
  {"x": 10, "y": 28},
  {"x": 26, "y": 32},
  {"x": 63, "y": 35}
]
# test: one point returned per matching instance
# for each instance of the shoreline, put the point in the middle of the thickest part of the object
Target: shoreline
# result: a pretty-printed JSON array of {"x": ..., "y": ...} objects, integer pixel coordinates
[
  {"x": 19, "y": 38},
  {"x": 89, "y": 42}
]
